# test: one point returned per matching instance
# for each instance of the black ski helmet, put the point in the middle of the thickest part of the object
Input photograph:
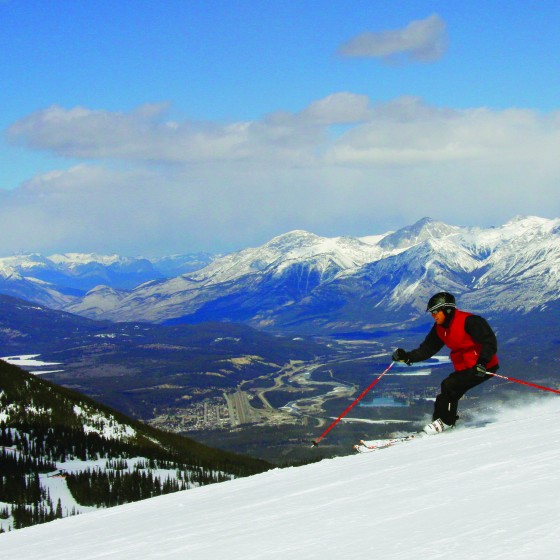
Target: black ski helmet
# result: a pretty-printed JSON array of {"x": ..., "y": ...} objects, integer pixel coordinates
[{"x": 443, "y": 301}]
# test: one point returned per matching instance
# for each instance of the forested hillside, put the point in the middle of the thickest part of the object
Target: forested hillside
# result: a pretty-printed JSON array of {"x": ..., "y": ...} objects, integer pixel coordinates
[{"x": 51, "y": 434}]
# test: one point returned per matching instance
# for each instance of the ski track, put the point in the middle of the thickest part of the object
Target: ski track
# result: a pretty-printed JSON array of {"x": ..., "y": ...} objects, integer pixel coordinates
[{"x": 487, "y": 493}]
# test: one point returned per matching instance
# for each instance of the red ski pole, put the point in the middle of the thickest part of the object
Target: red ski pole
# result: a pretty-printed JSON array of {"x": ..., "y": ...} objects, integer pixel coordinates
[
  {"x": 542, "y": 387},
  {"x": 362, "y": 395}
]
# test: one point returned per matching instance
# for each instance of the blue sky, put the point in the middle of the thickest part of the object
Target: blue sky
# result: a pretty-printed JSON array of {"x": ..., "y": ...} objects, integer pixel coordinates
[{"x": 145, "y": 127}]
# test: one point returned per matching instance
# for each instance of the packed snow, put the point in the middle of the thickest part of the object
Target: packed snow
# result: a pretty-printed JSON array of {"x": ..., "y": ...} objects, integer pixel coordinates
[{"x": 488, "y": 493}]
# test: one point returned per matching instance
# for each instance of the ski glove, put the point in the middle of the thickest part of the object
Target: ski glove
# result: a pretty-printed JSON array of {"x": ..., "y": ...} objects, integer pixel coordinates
[
  {"x": 400, "y": 355},
  {"x": 479, "y": 370}
]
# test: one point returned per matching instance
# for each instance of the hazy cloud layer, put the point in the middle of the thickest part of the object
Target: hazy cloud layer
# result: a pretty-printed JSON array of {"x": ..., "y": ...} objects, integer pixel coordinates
[
  {"x": 420, "y": 41},
  {"x": 400, "y": 132},
  {"x": 145, "y": 135},
  {"x": 149, "y": 185}
]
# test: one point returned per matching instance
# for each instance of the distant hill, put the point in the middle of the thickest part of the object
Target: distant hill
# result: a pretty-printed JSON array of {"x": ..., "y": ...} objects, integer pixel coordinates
[{"x": 62, "y": 453}]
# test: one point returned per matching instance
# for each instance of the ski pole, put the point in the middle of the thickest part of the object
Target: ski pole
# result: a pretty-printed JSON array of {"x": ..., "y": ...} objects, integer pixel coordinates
[
  {"x": 362, "y": 395},
  {"x": 542, "y": 387}
]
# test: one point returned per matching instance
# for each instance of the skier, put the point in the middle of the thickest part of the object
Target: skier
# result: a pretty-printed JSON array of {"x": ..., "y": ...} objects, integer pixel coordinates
[{"x": 473, "y": 348}]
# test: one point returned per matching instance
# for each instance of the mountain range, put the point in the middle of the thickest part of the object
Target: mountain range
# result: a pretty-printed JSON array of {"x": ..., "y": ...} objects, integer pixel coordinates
[
  {"x": 63, "y": 277},
  {"x": 302, "y": 282}
]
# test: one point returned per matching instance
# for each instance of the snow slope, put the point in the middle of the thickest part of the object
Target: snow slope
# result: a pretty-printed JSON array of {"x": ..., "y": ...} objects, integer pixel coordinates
[{"x": 474, "y": 493}]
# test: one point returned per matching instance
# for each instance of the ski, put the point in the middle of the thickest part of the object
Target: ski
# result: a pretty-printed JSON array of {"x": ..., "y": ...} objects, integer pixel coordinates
[
  {"x": 374, "y": 445},
  {"x": 367, "y": 446}
]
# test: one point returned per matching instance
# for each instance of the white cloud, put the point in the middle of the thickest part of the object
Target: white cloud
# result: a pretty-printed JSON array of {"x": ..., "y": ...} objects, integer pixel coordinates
[
  {"x": 225, "y": 186},
  {"x": 406, "y": 131},
  {"x": 400, "y": 132},
  {"x": 338, "y": 108},
  {"x": 421, "y": 41},
  {"x": 144, "y": 135}
]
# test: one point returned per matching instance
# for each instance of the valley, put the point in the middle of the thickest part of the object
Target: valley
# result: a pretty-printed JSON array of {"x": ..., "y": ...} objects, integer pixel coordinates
[
  {"x": 250, "y": 403},
  {"x": 269, "y": 414},
  {"x": 277, "y": 415},
  {"x": 258, "y": 350},
  {"x": 248, "y": 392}
]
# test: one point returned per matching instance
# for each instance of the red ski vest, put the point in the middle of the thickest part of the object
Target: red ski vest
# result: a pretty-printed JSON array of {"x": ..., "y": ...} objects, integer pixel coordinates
[{"x": 464, "y": 350}]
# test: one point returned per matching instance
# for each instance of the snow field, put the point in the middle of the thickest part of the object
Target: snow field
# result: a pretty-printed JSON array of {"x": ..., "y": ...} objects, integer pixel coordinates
[{"x": 474, "y": 493}]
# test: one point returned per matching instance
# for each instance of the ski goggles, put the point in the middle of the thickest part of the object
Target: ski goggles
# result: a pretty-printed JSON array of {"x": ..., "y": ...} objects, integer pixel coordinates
[{"x": 439, "y": 307}]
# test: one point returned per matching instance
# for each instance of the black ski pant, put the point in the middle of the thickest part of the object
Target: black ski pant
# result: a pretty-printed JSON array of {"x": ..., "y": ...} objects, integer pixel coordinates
[{"x": 453, "y": 388}]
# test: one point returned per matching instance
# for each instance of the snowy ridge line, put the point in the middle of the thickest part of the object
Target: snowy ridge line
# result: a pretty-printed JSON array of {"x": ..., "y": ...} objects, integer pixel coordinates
[{"x": 512, "y": 268}]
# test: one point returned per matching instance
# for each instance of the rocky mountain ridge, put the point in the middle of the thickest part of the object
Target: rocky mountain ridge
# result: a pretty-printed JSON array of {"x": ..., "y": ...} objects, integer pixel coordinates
[
  {"x": 303, "y": 281},
  {"x": 299, "y": 280}
]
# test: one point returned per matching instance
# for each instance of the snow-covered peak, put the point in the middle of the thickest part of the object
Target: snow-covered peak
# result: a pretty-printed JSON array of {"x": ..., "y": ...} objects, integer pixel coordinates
[
  {"x": 26, "y": 262},
  {"x": 346, "y": 251},
  {"x": 515, "y": 266},
  {"x": 519, "y": 232},
  {"x": 6, "y": 271},
  {"x": 283, "y": 251},
  {"x": 424, "y": 229},
  {"x": 529, "y": 222},
  {"x": 291, "y": 239},
  {"x": 72, "y": 260},
  {"x": 34, "y": 263}
]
